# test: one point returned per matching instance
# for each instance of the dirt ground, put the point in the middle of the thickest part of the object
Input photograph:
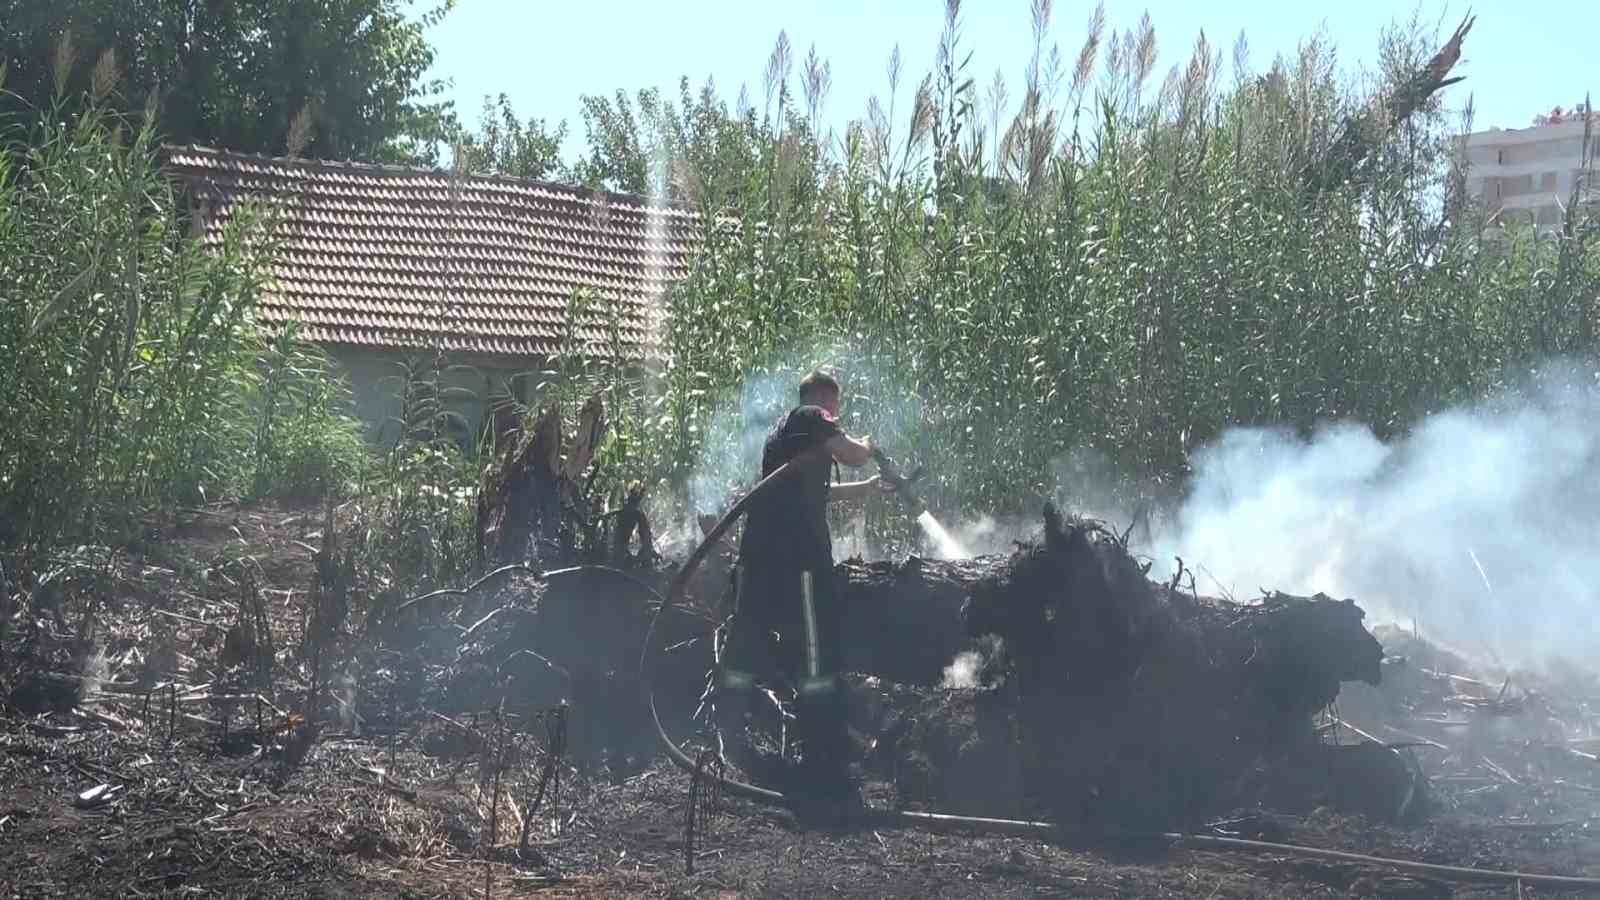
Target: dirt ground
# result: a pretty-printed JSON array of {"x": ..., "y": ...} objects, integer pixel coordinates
[{"x": 375, "y": 809}]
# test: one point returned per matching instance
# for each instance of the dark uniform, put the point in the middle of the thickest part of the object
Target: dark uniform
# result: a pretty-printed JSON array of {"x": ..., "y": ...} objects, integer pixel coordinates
[{"x": 784, "y": 586}]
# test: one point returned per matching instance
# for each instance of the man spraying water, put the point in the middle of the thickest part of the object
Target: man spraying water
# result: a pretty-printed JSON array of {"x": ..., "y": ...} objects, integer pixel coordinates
[{"x": 783, "y": 588}]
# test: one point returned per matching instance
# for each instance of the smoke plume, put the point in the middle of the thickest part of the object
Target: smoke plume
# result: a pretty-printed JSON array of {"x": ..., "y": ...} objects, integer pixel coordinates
[
  {"x": 962, "y": 673},
  {"x": 1479, "y": 526},
  {"x": 875, "y": 402},
  {"x": 96, "y": 669},
  {"x": 730, "y": 456}
]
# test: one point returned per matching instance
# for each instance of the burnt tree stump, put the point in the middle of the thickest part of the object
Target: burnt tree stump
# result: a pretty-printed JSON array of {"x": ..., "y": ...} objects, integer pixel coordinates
[{"x": 529, "y": 503}]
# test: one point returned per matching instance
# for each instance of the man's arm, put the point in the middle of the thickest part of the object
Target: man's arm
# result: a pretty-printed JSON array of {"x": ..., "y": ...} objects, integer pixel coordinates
[
  {"x": 853, "y": 452},
  {"x": 850, "y": 451},
  {"x": 858, "y": 490}
]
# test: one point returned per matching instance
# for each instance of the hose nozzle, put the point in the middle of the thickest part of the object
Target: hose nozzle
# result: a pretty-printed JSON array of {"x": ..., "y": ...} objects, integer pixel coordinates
[{"x": 904, "y": 485}]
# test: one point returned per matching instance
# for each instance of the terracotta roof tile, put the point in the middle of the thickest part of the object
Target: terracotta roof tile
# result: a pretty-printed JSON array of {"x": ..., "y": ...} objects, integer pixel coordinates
[{"x": 387, "y": 256}]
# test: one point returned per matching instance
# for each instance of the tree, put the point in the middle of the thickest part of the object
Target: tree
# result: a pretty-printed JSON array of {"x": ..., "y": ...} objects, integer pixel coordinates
[
  {"x": 618, "y": 156},
  {"x": 505, "y": 145},
  {"x": 238, "y": 73},
  {"x": 702, "y": 153}
]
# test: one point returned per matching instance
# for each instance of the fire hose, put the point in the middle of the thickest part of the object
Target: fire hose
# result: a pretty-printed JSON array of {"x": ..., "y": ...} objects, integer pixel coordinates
[{"x": 946, "y": 822}]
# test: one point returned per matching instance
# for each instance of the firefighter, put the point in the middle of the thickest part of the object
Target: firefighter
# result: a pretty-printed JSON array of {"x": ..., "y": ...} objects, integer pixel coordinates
[{"x": 785, "y": 625}]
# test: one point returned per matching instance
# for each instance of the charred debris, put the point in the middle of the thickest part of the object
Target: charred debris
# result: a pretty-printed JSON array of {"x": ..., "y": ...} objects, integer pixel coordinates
[
  {"x": 1058, "y": 682},
  {"x": 1088, "y": 691}
]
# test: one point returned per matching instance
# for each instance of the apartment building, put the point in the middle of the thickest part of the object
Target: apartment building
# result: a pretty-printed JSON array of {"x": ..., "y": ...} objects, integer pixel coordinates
[{"x": 1530, "y": 174}]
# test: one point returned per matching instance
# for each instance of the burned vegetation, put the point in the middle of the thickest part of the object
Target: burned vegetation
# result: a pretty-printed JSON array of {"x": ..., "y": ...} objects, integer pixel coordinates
[{"x": 301, "y": 720}]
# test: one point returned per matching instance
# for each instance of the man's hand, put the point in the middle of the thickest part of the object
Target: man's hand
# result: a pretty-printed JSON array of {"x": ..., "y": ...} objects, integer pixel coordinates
[{"x": 860, "y": 490}]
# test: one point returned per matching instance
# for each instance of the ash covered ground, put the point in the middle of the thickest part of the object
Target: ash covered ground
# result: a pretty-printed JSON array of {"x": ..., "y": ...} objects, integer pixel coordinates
[{"x": 157, "y": 738}]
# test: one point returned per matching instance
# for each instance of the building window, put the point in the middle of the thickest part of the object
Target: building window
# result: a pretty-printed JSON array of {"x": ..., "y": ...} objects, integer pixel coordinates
[
  {"x": 1517, "y": 186},
  {"x": 1520, "y": 155},
  {"x": 1547, "y": 181}
]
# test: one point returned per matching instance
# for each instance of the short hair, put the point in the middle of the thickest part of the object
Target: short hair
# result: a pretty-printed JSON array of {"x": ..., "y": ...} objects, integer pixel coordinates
[{"x": 813, "y": 386}]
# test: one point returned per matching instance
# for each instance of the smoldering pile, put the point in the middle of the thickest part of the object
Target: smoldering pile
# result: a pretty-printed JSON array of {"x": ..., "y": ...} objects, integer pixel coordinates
[
  {"x": 1056, "y": 681},
  {"x": 1099, "y": 695},
  {"x": 1506, "y": 744}
]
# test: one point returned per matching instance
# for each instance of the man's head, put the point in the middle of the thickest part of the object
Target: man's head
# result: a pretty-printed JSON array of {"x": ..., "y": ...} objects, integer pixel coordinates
[{"x": 820, "y": 389}]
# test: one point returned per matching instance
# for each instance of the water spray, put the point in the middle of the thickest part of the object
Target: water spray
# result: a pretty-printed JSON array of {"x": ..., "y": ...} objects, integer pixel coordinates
[{"x": 905, "y": 489}]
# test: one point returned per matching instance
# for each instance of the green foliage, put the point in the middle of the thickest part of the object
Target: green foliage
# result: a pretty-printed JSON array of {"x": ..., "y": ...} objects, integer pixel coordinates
[
  {"x": 414, "y": 510},
  {"x": 307, "y": 445},
  {"x": 1116, "y": 267},
  {"x": 618, "y": 160},
  {"x": 1122, "y": 270},
  {"x": 693, "y": 152},
  {"x": 505, "y": 145},
  {"x": 136, "y": 378},
  {"x": 238, "y": 74}
]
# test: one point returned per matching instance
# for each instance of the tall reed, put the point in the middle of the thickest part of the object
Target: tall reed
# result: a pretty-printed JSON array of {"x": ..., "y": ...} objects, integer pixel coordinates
[
  {"x": 1119, "y": 264},
  {"x": 135, "y": 376}
]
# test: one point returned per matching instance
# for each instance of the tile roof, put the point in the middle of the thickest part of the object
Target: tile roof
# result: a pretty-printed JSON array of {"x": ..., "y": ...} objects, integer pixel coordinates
[{"x": 393, "y": 257}]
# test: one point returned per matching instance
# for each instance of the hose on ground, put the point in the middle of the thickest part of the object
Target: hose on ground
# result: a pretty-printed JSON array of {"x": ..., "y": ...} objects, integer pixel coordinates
[{"x": 675, "y": 592}]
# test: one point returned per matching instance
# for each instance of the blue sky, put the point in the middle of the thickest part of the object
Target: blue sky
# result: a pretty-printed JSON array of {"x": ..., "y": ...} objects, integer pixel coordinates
[{"x": 1521, "y": 58}]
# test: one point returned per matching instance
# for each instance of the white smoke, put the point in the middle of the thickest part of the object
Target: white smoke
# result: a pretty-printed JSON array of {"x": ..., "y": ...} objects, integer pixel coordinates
[
  {"x": 962, "y": 673},
  {"x": 347, "y": 693},
  {"x": 1480, "y": 526},
  {"x": 875, "y": 402},
  {"x": 1087, "y": 483},
  {"x": 730, "y": 454},
  {"x": 1090, "y": 484},
  {"x": 986, "y": 535},
  {"x": 96, "y": 669}
]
